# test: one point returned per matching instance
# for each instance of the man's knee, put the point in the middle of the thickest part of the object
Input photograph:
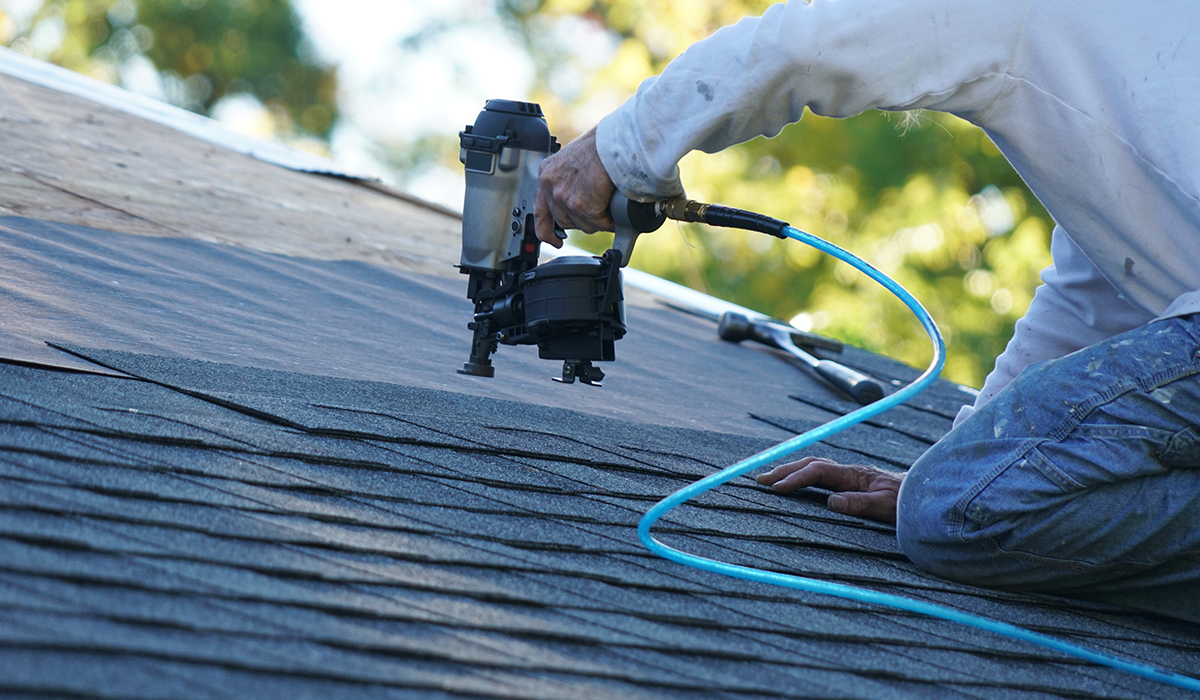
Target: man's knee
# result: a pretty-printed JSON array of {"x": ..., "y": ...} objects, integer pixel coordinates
[
  {"x": 933, "y": 522},
  {"x": 924, "y": 525}
]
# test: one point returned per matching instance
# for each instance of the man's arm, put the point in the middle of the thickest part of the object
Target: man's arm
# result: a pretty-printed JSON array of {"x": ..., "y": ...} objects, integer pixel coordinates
[
  {"x": 753, "y": 78},
  {"x": 1074, "y": 308},
  {"x": 835, "y": 58}
]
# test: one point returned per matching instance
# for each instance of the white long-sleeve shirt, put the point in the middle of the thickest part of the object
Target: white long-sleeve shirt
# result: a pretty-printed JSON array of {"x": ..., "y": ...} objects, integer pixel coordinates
[{"x": 1094, "y": 104}]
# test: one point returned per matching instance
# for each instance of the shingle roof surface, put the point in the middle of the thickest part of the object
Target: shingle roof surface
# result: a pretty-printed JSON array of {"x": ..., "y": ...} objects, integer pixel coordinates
[
  {"x": 174, "y": 526},
  {"x": 274, "y": 485}
]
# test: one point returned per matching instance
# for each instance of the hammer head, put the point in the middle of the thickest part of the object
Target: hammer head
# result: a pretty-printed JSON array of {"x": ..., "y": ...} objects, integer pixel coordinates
[{"x": 736, "y": 327}]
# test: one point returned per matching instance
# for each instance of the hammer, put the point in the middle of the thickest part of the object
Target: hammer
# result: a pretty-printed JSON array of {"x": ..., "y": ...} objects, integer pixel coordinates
[{"x": 736, "y": 327}]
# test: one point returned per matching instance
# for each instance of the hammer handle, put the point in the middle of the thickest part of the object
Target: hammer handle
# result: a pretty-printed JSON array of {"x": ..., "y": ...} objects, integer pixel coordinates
[
  {"x": 859, "y": 386},
  {"x": 736, "y": 327}
]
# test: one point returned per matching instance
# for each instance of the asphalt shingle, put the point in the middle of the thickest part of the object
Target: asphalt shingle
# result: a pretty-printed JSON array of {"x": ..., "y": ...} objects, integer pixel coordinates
[{"x": 180, "y": 528}]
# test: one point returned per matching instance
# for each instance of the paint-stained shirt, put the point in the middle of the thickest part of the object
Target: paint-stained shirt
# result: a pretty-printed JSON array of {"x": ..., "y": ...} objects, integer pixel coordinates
[{"x": 1094, "y": 104}]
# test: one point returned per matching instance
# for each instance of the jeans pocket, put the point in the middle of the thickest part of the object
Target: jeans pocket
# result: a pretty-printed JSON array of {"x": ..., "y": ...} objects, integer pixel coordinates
[
  {"x": 1104, "y": 453},
  {"x": 1028, "y": 485}
]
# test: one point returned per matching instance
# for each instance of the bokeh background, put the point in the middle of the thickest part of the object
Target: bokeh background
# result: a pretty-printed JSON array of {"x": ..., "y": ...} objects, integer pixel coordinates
[{"x": 383, "y": 87}]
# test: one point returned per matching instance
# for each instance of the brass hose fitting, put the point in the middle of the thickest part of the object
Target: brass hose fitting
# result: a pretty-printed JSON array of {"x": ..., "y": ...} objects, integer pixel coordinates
[{"x": 683, "y": 209}]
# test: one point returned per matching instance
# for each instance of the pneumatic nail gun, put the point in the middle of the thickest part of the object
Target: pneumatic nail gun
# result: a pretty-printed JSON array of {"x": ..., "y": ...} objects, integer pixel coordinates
[{"x": 572, "y": 307}]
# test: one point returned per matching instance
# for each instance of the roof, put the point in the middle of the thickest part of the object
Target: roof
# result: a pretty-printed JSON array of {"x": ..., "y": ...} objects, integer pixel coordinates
[{"x": 245, "y": 466}]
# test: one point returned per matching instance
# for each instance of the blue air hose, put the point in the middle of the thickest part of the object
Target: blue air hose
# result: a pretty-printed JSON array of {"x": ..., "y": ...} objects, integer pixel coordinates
[{"x": 723, "y": 216}]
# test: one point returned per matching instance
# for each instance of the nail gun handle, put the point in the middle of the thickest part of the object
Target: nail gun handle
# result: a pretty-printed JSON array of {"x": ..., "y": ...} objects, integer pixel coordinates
[{"x": 632, "y": 219}]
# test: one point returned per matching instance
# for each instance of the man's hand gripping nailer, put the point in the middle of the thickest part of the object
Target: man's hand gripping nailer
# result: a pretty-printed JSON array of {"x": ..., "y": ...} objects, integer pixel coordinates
[{"x": 572, "y": 307}]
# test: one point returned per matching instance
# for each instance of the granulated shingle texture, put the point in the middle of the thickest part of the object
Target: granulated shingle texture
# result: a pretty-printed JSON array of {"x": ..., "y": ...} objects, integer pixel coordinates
[
  {"x": 206, "y": 529},
  {"x": 176, "y": 527}
]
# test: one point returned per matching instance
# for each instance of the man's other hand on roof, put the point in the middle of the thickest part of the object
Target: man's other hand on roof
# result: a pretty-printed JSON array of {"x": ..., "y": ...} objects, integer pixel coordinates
[
  {"x": 574, "y": 187},
  {"x": 863, "y": 491}
]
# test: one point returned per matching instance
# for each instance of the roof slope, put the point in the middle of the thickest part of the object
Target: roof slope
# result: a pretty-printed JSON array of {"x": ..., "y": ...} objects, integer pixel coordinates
[
  {"x": 213, "y": 529},
  {"x": 69, "y": 160},
  {"x": 242, "y": 474}
]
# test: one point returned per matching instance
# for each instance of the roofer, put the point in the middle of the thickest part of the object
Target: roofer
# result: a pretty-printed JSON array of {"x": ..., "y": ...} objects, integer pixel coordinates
[{"x": 1078, "y": 469}]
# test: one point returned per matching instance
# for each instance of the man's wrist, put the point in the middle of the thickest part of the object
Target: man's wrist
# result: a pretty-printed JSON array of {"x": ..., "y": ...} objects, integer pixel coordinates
[{"x": 625, "y": 158}]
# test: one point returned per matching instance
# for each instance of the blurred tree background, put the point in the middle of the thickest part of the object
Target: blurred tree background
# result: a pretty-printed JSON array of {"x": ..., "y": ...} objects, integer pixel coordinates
[
  {"x": 201, "y": 50},
  {"x": 927, "y": 198}
]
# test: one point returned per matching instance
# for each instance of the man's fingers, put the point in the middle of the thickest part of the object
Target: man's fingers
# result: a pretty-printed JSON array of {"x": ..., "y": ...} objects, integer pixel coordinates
[
  {"x": 575, "y": 189},
  {"x": 544, "y": 221},
  {"x": 826, "y": 475},
  {"x": 582, "y": 213},
  {"x": 562, "y": 216},
  {"x": 875, "y": 505},
  {"x": 783, "y": 471},
  {"x": 862, "y": 491}
]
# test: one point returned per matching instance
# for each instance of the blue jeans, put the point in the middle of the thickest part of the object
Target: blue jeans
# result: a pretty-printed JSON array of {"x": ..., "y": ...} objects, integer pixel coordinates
[{"x": 1081, "y": 478}]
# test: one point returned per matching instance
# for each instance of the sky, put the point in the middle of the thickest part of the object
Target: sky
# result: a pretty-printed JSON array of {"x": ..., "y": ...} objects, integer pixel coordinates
[
  {"x": 388, "y": 93},
  {"x": 392, "y": 94}
]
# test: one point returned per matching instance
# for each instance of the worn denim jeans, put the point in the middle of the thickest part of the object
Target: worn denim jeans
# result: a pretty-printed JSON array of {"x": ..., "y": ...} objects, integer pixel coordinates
[{"x": 1081, "y": 478}]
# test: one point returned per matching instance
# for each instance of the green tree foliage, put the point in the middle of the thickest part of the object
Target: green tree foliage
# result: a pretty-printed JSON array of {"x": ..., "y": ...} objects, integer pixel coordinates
[
  {"x": 926, "y": 198},
  {"x": 205, "y": 49}
]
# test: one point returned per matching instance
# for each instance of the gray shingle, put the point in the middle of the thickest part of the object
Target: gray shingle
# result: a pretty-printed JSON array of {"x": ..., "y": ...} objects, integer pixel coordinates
[{"x": 212, "y": 527}]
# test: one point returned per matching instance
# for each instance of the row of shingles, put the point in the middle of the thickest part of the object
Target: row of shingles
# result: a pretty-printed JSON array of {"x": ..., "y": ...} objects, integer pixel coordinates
[
  {"x": 39, "y": 530},
  {"x": 743, "y": 642},
  {"x": 407, "y": 429},
  {"x": 448, "y": 496},
  {"x": 915, "y": 423},
  {"x": 686, "y": 459},
  {"x": 328, "y": 422},
  {"x": 749, "y": 500},
  {"x": 689, "y": 609},
  {"x": 367, "y": 458},
  {"x": 899, "y": 436},
  {"x": 70, "y": 673},
  {"x": 949, "y": 644},
  {"x": 882, "y": 447},
  {"x": 192, "y": 548},
  {"x": 988, "y": 660},
  {"x": 288, "y": 640},
  {"x": 622, "y": 580},
  {"x": 942, "y": 398},
  {"x": 718, "y": 519},
  {"x": 914, "y": 429},
  {"x": 678, "y": 627},
  {"x": 124, "y": 507}
]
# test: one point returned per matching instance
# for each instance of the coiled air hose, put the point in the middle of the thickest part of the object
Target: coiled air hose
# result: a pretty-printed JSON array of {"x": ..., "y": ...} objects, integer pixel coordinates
[{"x": 716, "y": 215}]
